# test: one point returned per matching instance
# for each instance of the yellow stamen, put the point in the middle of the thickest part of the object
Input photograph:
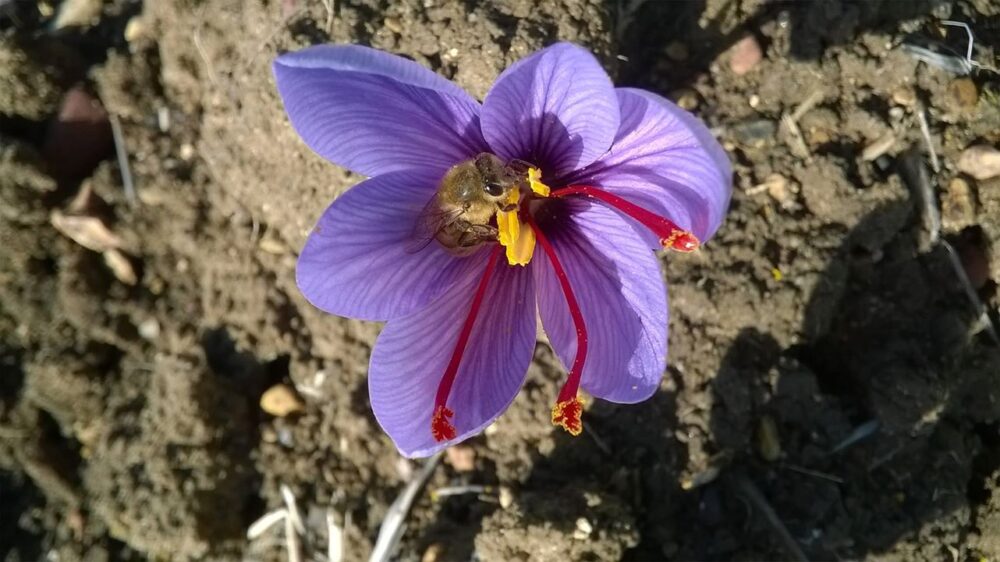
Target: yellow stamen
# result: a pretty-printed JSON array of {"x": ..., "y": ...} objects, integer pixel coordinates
[
  {"x": 519, "y": 242},
  {"x": 535, "y": 181}
]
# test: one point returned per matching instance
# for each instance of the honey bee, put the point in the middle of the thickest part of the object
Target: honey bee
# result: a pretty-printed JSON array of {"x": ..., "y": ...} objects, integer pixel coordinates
[{"x": 470, "y": 194}]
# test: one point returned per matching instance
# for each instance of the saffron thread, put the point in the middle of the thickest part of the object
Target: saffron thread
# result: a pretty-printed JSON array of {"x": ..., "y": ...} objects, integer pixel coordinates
[
  {"x": 568, "y": 409},
  {"x": 672, "y": 237},
  {"x": 441, "y": 428}
]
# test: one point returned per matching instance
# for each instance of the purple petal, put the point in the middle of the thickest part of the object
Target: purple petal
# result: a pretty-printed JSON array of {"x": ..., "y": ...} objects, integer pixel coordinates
[
  {"x": 556, "y": 109},
  {"x": 411, "y": 355},
  {"x": 373, "y": 112},
  {"x": 617, "y": 282},
  {"x": 360, "y": 260},
  {"x": 666, "y": 160}
]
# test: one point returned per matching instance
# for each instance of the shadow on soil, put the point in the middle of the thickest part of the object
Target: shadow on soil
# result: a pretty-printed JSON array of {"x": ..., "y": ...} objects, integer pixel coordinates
[
  {"x": 878, "y": 426},
  {"x": 709, "y": 28}
]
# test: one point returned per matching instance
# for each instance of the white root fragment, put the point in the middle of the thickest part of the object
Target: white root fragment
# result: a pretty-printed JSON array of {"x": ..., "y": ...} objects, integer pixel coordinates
[
  {"x": 293, "y": 509},
  {"x": 265, "y": 522},
  {"x": 394, "y": 523}
]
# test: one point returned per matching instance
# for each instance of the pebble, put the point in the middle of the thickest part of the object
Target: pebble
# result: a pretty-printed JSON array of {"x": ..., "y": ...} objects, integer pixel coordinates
[
  {"x": 583, "y": 529},
  {"x": 281, "y": 400},
  {"x": 687, "y": 99},
  {"x": 506, "y": 497},
  {"x": 745, "y": 55},
  {"x": 135, "y": 29},
  {"x": 980, "y": 161},
  {"x": 904, "y": 96},
  {"x": 957, "y": 209},
  {"x": 779, "y": 190},
  {"x": 964, "y": 92},
  {"x": 393, "y": 24},
  {"x": 433, "y": 553},
  {"x": 677, "y": 51},
  {"x": 755, "y": 132},
  {"x": 768, "y": 441},
  {"x": 149, "y": 329},
  {"x": 461, "y": 457},
  {"x": 878, "y": 147}
]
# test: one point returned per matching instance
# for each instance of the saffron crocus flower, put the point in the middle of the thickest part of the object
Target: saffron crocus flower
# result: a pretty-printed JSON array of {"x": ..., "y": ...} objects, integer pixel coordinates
[{"x": 609, "y": 176}]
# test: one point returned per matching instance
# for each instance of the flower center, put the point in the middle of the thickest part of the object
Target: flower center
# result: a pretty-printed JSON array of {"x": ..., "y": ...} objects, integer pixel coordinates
[{"x": 517, "y": 234}]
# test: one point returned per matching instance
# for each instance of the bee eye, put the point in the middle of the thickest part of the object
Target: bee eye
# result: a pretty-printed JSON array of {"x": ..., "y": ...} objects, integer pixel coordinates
[{"x": 493, "y": 188}]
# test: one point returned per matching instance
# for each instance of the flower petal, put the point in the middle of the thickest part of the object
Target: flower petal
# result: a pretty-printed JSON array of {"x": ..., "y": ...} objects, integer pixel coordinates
[
  {"x": 411, "y": 355},
  {"x": 556, "y": 109},
  {"x": 617, "y": 282},
  {"x": 362, "y": 260},
  {"x": 373, "y": 112},
  {"x": 666, "y": 160}
]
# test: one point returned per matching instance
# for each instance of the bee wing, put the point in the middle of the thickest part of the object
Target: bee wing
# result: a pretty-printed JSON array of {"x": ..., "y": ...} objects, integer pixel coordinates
[{"x": 429, "y": 223}]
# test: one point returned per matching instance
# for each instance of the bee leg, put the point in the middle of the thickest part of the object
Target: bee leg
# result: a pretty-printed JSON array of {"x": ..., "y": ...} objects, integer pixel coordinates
[
  {"x": 519, "y": 166},
  {"x": 509, "y": 207},
  {"x": 475, "y": 234}
]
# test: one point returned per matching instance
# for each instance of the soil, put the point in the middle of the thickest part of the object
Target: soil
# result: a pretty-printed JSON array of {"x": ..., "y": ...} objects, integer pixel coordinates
[{"x": 831, "y": 389}]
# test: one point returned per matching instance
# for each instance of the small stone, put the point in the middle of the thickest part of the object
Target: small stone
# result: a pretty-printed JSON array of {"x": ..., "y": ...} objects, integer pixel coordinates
[
  {"x": 492, "y": 429},
  {"x": 817, "y": 136},
  {"x": 149, "y": 329},
  {"x": 592, "y": 499},
  {"x": 281, "y": 400},
  {"x": 755, "y": 133},
  {"x": 754, "y": 101},
  {"x": 687, "y": 99},
  {"x": 186, "y": 151},
  {"x": 677, "y": 51},
  {"x": 393, "y": 24},
  {"x": 957, "y": 208},
  {"x": 433, "y": 553},
  {"x": 744, "y": 55},
  {"x": 878, "y": 147},
  {"x": 461, "y": 457},
  {"x": 135, "y": 29},
  {"x": 778, "y": 187},
  {"x": 768, "y": 440},
  {"x": 904, "y": 96},
  {"x": 583, "y": 529},
  {"x": 980, "y": 161},
  {"x": 77, "y": 13},
  {"x": 964, "y": 92},
  {"x": 506, "y": 497}
]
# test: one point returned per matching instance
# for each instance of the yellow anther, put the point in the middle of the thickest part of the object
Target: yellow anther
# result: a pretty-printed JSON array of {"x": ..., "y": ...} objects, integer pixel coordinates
[
  {"x": 517, "y": 238},
  {"x": 535, "y": 182}
]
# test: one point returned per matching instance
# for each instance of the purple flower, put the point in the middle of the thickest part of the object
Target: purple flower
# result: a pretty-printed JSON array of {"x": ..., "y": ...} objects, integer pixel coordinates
[{"x": 625, "y": 172}]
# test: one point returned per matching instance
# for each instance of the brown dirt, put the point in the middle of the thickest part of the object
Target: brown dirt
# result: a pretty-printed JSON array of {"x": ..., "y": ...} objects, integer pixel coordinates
[{"x": 129, "y": 417}]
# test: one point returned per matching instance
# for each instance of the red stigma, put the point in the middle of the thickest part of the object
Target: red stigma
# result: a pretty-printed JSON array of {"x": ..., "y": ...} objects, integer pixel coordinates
[
  {"x": 568, "y": 416},
  {"x": 441, "y": 428},
  {"x": 568, "y": 409},
  {"x": 671, "y": 236}
]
